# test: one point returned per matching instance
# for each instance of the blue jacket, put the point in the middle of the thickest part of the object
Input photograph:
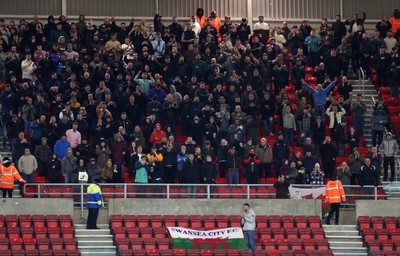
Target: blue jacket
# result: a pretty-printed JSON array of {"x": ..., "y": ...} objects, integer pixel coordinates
[
  {"x": 320, "y": 95},
  {"x": 60, "y": 148},
  {"x": 94, "y": 197}
]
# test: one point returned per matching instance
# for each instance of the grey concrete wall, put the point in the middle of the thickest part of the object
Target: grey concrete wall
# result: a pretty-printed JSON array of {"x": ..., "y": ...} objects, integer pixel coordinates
[
  {"x": 33, "y": 206},
  {"x": 377, "y": 208},
  {"x": 212, "y": 207}
]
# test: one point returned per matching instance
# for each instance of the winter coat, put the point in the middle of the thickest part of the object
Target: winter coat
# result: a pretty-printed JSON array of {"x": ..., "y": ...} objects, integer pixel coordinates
[
  {"x": 102, "y": 156},
  {"x": 209, "y": 172},
  {"x": 94, "y": 171},
  {"x": 368, "y": 176},
  {"x": 142, "y": 172}
]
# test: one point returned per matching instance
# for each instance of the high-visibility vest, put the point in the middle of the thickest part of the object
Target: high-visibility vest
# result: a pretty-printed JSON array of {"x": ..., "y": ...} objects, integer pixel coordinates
[
  {"x": 94, "y": 197},
  {"x": 8, "y": 174},
  {"x": 334, "y": 192}
]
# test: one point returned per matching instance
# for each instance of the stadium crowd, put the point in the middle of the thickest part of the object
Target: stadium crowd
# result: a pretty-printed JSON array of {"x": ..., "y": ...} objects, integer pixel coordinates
[{"x": 194, "y": 102}]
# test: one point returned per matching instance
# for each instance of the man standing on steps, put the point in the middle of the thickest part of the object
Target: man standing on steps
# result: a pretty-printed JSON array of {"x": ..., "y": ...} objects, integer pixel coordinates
[
  {"x": 334, "y": 194},
  {"x": 8, "y": 173},
  {"x": 94, "y": 203},
  {"x": 249, "y": 225}
]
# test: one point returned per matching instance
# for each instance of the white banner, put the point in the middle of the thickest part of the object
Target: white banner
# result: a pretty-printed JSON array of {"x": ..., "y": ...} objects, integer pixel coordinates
[
  {"x": 226, "y": 233},
  {"x": 307, "y": 193}
]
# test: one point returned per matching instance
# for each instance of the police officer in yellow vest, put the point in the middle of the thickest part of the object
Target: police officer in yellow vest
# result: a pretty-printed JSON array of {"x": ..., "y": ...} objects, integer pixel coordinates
[{"x": 94, "y": 203}]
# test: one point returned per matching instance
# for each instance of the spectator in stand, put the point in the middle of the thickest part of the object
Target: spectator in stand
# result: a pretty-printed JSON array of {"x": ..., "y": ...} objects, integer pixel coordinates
[
  {"x": 358, "y": 109},
  {"x": 320, "y": 95},
  {"x": 61, "y": 147},
  {"x": 379, "y": 119},
  {"x": 381, "y": 62},
  {"x": 353, "y": 139},
  {"x": 252, "y": 167},
  {"x": 261, "y": 29},
  {"x": 392, "y": 75},
  {"x": 103, "y": 153},
  {"x": 309, "y": 161},
  {"x": 291, "y": 173},
  {"x": 118, "y": 152},
  {"x": 282, "y": 188},
  {"x": 388, "y": 148},
  {"x": 68, "y": 164},
  {"x": 18, "y": 146},
  {"x": 339, "y": 30},
  {"x": 335, "y": 196},
  {"x": 263, "y": 152},
  {"x": 328, "y": 154},
  {"x": 27, "y": 164},
  {"x": 280, "y": 151},
  {"x": 390, "y": 42},
  {"x": 74, "y": 136},
  {"x": 54, "y": 171},
  {"x": 356, "y": 160},
  {"x": 317, "y": 175},
  {"x": 344, "y": 175},
  {"x": 157, "y": 135},
  {"x": 209, "y": 171},
  {"x": 289, "y": 124},
  {"x": 312, "y": 42},
  {"x": 376, "y": 159},
  {"x": 43, "y": 156},
  {"x": 93, "y": 170},
  {"x": 368, "y": 175},
  {"x": 233, "y": 160}
]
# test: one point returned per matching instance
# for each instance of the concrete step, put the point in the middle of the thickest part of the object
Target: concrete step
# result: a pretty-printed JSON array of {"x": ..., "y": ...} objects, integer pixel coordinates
[
  {"x": 342, "y": 233},
  {"x": 343, "y": 238},
  {"x": 95, "y": 243},
  {"x": 339, "y": 227},
  {"x": 353, "y": 254},
  {"x": 92, "y": 232},
  {"x": 103, "y": 250},
  {"x": 94, "y": 238},
  {"x": 350, "y": 244},
  {"x": 348, "y": 250}
]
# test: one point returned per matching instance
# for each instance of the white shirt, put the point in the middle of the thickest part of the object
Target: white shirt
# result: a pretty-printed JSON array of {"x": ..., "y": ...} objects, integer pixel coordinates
[
  {"x": 196, "y": 27},
  {"x": 261, "y": 25}
]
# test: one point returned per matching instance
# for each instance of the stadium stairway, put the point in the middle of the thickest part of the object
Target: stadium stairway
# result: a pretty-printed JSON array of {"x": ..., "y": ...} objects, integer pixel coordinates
[
  {"x": 345, "y": 240},
  {"x": 97, "y": 242},
  {"x": 368, "y": 91}
]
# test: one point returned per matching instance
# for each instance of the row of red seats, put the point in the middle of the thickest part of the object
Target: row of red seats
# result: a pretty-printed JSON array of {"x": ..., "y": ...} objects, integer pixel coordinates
[
  {"x": 263, "y": 221},
  {"x": 381, "y": 234},
  {"x": 40, "y": 243},
  {"x": 25, "y": 221},
  {"x": 221, "y": 252},
  {"x": 40, "y": 252},
  {"x": 260, "y": 233},
  {"x": 37, "y": 232},
  {"x": 384, "y": 245},
  {"x": 378, "y": 222}
]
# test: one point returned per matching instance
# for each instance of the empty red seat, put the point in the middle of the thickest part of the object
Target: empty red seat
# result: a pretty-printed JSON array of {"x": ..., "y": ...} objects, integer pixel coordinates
[
  {"x": 182, "y": 221},
  {"x": 57, "y": 243},
  {"x": 163, "y": 243},
  {"x": 274, "y": 221},
  {"x": 130, "y": 221},
  {"x": 167, "y": 252},
  {"x": 179, "y": 252},
  {"x": 196, "y": 221},
  {"x": 143, "y": 221},
  {"x": 16, "y": 243},
  {"x": 235, "y": 221},
  {"x": 70, "y": 244},
  {"x": 156, "y": 221},
  {"x": 43, "y": 243},
  {"x": 269, "y": 244},
  {"x": 38, "y": 220},
  {"x": 305, "y": 233},
  {"x": 318, "y": 233},
  {"x": 125, "y": 252},
  {"x": 132, "y": 233},
  {"x": 193, "y": 252},
  {"x": 390, "y": 222},
  {"x": 382, "y": 234},
  {"x": 206, "y": 252},
  {"x": 27, "y": 232},
  {"x": 52, "y": 221},
  {"x": 4, "y": 244},
  {"x": 146, "y": 232},
  {"x": 169, "y": 220},
  {"x": 65, "y": 221},
  {"x": 29, "y": 243},
  {"x": 54, "y": 232},
  {"x": 309, "y": 244},
  {"x": 13, "y": 232},
  {"x": 59, "y": 252},
  {"x": 288, "y": 221},
  {"x": 292, "y": 233},
  {"x": 377, "y": 222},
  {"x": 25, "y": 221},
  {"x": 387, "y": 245},
  {"x": 322, "y": 244},
  {"x": 46, "y": 252},
  {"x": 159, "y": 232},
  {"x": 278, "y": 233},
  {"x": 40, "y": 232},
  {"x": 74, "y": 252},
  {"x": 394, "y": 234},
  {"x": 122, "y": 243},
  {"x": 368, "y": 234},
  {"x": 265, "y": 233},
  {"x": 115, "y": 221},
  {"x": 262, "y": 221},
  {"x": 373, "y": 245},
  {"x": 7, "y": 252},
  {"x": 282, "y": 244},
  {"x": 11, "y": 221},
  {"x": 67, "y": 232},
  {"x": 219, "y": 252},
  {"x": 149, "y": 243},
  {"x": 314, "y": 221},
  {"x": 136, "y": 243}
]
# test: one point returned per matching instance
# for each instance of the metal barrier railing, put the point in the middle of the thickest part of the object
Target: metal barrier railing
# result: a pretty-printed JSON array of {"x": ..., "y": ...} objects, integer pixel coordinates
[{"x": 175, "y": 191}]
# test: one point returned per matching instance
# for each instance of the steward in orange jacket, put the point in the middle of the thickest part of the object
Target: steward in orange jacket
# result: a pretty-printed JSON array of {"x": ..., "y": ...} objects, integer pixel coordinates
[
  {"x": 8, "y": 173},
  {"x": 334, "y": 194}
]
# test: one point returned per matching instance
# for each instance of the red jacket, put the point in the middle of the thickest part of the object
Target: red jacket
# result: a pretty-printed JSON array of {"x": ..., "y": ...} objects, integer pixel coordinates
[{"x": 156, "y": 136}]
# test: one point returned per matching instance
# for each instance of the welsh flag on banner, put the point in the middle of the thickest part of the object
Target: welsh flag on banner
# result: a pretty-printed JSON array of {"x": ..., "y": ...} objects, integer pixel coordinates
[{"x": 227, "y": 238}]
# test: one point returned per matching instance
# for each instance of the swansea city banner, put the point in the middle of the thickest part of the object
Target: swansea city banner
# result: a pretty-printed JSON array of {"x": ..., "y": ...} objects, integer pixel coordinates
[{"x": 227, "y": 238}]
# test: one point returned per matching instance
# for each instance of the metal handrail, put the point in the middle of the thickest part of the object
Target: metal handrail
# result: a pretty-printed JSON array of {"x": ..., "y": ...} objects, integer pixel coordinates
[
  {"x": 168, "y": 191},
  {"x": 361, "y": 78}
]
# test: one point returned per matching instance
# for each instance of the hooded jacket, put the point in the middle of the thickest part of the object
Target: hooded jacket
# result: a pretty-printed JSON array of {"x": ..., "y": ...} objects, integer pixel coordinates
[
  {"x": 8, "y": 174},
  {"x": 389, "y": 147}
]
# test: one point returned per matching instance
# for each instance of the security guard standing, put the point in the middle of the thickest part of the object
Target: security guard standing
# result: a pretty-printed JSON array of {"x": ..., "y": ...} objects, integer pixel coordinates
[
  {"x": 94, "y": 203},
  {"x": 335, "y": 195},
  {"x": 8, "y": 173}
]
